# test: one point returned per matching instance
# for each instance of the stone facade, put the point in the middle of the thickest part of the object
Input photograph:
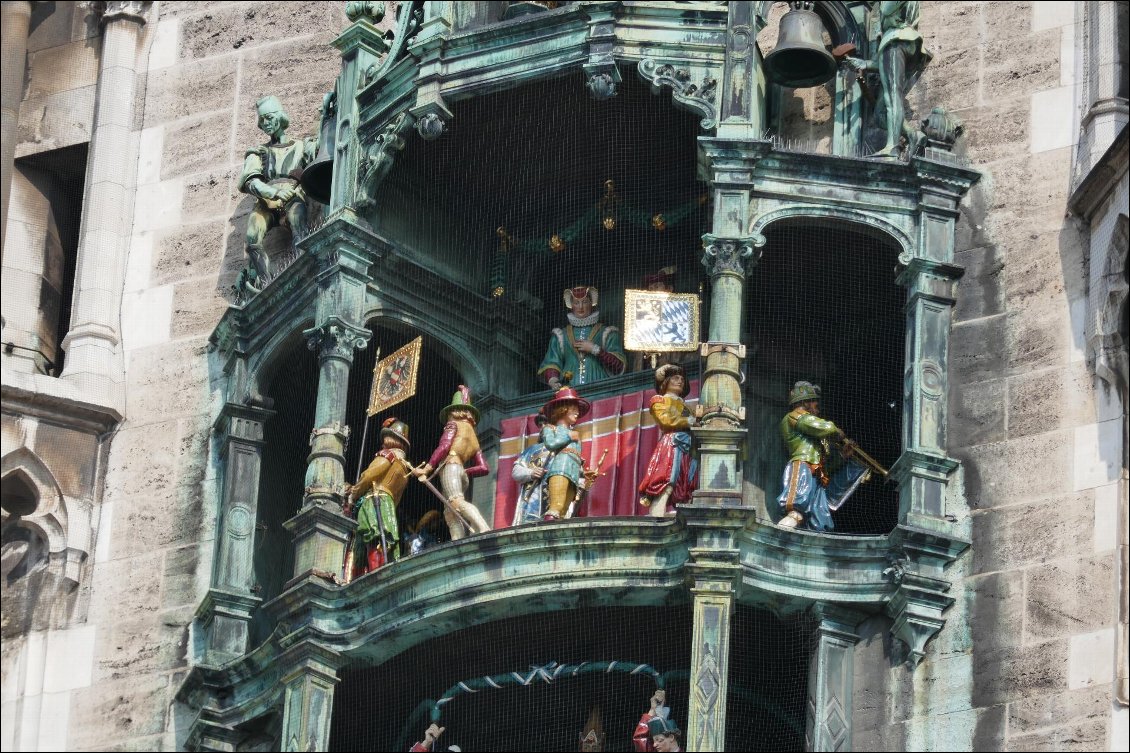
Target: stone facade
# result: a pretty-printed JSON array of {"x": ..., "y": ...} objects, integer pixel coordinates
[{"x": 123, "y": 456}]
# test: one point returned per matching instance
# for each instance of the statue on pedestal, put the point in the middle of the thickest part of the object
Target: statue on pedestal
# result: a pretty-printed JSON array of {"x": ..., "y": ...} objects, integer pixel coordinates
[
  {"x": 270, "y": 175},
  {"x": 670, "y": 474},
  {"x": 587, "y": 349},
  {"x": 900, "y": 59}
]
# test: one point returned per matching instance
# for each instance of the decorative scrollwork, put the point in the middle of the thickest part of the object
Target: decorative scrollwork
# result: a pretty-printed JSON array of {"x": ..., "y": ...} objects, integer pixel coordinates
[
  {"x": 698, "y": 98},
  {"x": 379, "y": 159}
]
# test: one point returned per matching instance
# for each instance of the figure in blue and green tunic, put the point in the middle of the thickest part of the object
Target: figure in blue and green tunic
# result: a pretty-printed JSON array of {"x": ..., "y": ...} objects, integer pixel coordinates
[
  {"x": 587, "y": 349},
  {"x": 816, "y": 482},
  {"x": 565, "y": 473}
]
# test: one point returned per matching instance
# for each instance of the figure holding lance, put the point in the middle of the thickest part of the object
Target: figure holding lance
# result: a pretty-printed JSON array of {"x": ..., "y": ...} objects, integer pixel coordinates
[{"x": 817, "y": 483}]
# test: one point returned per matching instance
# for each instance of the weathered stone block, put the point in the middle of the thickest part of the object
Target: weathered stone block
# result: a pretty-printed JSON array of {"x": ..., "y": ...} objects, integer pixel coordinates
[
  {"x": 977, "y": 413},
  {"x": 1016, "y": 672},
  {"x": 1068, "y": 597},
  {"x": 1031, "y": 533},
  {"x": 1020, "y": 65},
  {"x": 128, "y": 588},
  {"x": 197, "y": 307},
  {"x": 979, "y": 293},
  {"x": 951, "y": 79},
  {"x": 994, "y": 605},
  {"x": 189, "y": 89},
  {"x": 1091, "y": 736},
  {"x": 117, "y": 709},
  {"x": 1048, "y": 400},
  {"x": 186, "y": 575},
  {"x": 188, "y": 252},
  {"x": 71, "y": 455},
  {"x": 1038, "y": 336},
  {"x": 1003, "y": 473},
  {"x": 208, "y": 196},
  {"x": 169, "y": 380},
  {"x": 996, "y": 131},
  {"x": 1086, "y": 705},
  {"x": 1006, "y": 20},
  {"x": 977, "y": 350},
  {"x": 55, "y": 122},
  {"x": 225, "y": 27},
  {"x": 196, "y": 144},
  {"x": 50, "y": 25},
  {"x": 140, "y": 647},
  {"x": 1034, "y": 184},
  {"x": 142, "y": 462},
  {"x": 58, "y": 69}
]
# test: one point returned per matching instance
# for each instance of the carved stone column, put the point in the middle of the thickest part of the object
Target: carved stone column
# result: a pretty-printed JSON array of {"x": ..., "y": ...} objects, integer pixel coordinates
[
  {"x": 15, "y": 17},
  {"x": 233, "y": 598},
  {"x": 932, "y": 532},
  {"x": 715, "y": 577},
  {"x": 728, "y": 252},
  {"x": 93, "y": 344},
  {"x": 743, "y": 80},
  {"x": 828, "y": 710},
  {"x": 308, "y": 694},
  {"x": 361, "y": 45},
  {"x": 343, "y": 250},
  {"x": 431, "y": 111}
]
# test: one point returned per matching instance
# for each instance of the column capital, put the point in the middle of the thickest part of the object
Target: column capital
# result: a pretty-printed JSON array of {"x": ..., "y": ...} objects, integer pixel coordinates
[
  {"x": 336, "y": 338},
  {"x": 121, "y": 10},
  {"x": 730, "y": 255}
]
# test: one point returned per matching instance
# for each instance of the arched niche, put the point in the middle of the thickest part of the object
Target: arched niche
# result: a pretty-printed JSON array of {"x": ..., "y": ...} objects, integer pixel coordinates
[
  {"x": 823, "y": 305},
  {"x": 32, "y": 483}
]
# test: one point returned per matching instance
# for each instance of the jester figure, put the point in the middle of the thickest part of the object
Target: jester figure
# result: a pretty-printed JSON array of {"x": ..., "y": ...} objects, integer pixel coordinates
[
  {"x": 380, "y": 488},
  {"x": 815, "y": 481},
  {"x": 585, "y": 348}
]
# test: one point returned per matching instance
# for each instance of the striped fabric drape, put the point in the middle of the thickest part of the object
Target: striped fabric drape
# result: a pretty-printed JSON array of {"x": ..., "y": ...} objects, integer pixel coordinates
[{"x": 622, "y": 425}]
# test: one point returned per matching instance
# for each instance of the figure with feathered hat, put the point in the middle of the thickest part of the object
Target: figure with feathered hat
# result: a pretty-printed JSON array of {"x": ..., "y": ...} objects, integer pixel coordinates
[
  {"x": 566, "y": 468},
  {"x": 671, "y": 472},
  {"x": 458, "y": 447},
  {"x": 815, "y": 481},
  {"x": 587, "y": 349},
  {"x": 529, "y": 471},
  {"x": 379, "y": 489},
  {"x": 656, "y": 730}
]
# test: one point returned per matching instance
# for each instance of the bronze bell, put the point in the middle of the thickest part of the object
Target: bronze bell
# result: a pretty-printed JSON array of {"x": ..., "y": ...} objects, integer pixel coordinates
[
  {"x": 800, "y": 58},
  {"x": 317, "y": 178}
]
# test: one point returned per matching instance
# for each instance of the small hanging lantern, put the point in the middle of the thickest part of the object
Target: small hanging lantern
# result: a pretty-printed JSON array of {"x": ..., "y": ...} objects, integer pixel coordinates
[
  {"x": 659, "y": 222},
  {"x": 608, "y": 204},
  {"x": 556, "y": 243}
]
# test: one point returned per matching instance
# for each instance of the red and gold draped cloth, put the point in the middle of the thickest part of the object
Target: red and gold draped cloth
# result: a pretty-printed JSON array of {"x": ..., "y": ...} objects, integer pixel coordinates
[{"x": 622, "y": 425}]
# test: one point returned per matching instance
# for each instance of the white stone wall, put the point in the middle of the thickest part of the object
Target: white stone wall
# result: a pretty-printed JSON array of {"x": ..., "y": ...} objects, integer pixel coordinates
[{"x": 1026, "y": 660}]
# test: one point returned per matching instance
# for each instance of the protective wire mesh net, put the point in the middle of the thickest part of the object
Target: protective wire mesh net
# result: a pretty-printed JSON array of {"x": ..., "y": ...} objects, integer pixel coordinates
[
  {"x": 388, "y": 707},
  {"x": 769, "y": 663},
  {"x": 823, "y": 306}
]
